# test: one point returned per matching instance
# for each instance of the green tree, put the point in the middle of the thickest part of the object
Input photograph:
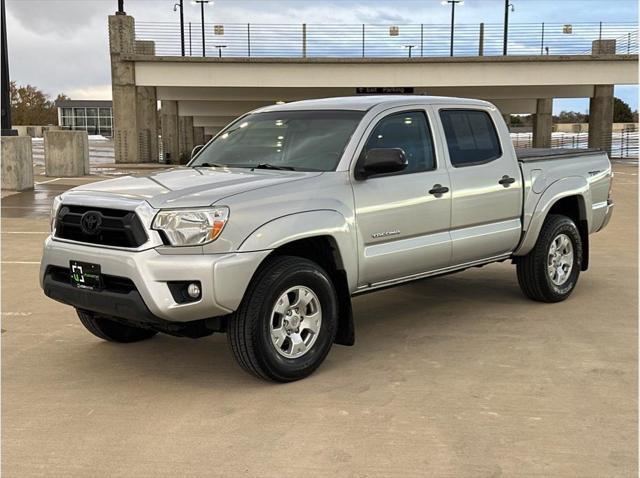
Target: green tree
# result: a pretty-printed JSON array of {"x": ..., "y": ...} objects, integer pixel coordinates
[
  {"x": 30, "y": 106},
  {"x": 622, "y": 112}
]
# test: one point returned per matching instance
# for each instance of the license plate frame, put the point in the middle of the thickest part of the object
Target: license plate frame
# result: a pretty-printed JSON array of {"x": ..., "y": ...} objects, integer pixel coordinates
[{"x": 85, "y": 275}]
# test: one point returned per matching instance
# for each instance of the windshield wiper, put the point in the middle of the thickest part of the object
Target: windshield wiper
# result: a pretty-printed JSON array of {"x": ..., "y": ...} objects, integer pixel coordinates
[
  {"x": 210, "y": 165},
  {"x": 272, "y": 166}
]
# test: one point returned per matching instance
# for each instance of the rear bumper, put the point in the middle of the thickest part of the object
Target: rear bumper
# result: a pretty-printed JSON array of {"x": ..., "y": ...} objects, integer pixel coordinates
[{"x": 223, "y": 278}]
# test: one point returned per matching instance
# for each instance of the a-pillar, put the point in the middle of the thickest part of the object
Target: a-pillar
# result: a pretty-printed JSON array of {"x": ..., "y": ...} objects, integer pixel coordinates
[
  {"x": 185, "y": 137},
  {"x": 134, "y": 108},
  {"x": 198, "y": 135},
  {"x": 601, "y": 117},
  {"x": 169, "y": 126},
  {"x": 543, "y": 123}
]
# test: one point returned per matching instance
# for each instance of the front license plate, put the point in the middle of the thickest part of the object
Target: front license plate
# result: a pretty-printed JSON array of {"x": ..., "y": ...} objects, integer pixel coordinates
[{"x": 85, "y": 275}]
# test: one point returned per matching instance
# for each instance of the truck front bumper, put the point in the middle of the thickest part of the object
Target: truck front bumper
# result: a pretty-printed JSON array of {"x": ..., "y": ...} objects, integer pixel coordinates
[{"x": 223, "y": 279}]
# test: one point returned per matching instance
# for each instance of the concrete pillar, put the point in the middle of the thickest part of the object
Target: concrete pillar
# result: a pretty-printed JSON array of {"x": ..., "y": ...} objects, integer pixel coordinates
[
  {"x": 543, "y": 123},
  {"x": 135, "y": 125},
  {"x": 66, "y": 153},
  {"x": 147, "y": 124},
  {"x": 603, "y": 47},
  {"x": 601, "y": 117},
  {"x": 198, "y": 135},
  {"x": 169, "y": 127},
  {"x": 17, "y": 163},
  {"x": 185, "y": 138}
]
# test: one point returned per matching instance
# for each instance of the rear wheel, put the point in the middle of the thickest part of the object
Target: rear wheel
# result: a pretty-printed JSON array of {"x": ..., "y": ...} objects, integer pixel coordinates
[
  {"x": 549, "y": 272},
  {"x": 286, "y": 324},
  {"x": 113, "y": 331}
]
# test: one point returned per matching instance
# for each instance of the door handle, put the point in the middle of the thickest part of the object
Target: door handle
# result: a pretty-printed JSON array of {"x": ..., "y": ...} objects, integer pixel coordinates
[
  {"x": 506, "y": 181},
  {"x": 438, "y": 190}
]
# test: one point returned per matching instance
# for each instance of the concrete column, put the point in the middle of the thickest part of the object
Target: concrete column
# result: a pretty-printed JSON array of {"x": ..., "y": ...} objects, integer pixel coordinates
[
  {"x": 198, "y": 135},
  {"x": 169, "y": 126},
  {"x": 185, "y": 138},
  {"x": 147, "y": 112},
  {"x": 543, "y": 123},
  {"x": 147, "y": 124},
  {"x": 122, "y": 42},
  {"x": 603, "y": 47},
  {"x": 135, "y": 125},
  {"x": 66, "y": 153},
  {"x": 17, "y": 163},
  {"x": 601, "y": 117}
]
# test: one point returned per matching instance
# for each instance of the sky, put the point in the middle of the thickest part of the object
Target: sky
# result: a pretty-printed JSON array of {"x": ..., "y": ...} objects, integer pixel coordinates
[{"x": 61, "y": 46}]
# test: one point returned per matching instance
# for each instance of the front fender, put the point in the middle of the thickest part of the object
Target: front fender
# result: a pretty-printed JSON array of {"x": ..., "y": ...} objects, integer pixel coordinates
[
  {"x": 293, "y": 227},
  {"x": 571, "y": 186}
]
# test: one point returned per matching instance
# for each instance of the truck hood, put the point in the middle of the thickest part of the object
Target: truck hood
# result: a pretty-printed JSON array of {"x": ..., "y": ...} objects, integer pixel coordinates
[{"x": 190, "y": 187}]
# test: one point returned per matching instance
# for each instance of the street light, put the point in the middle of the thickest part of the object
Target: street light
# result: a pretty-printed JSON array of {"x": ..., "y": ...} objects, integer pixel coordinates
[
  {"x": 202, "y": 4},
  {"x": 453, "y": 16},
  {"x": 181, "y": 7},
  {"x": 409, "y": 47},
  {"x": 507, "y": 6}
]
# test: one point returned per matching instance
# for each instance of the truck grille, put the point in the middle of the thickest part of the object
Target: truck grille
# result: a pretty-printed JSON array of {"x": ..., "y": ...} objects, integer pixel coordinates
[{"x": 109, "y": 227}]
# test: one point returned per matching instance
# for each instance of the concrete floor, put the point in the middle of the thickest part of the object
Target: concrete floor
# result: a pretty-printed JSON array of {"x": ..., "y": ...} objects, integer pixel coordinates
[{"x": 459, "y": 376}]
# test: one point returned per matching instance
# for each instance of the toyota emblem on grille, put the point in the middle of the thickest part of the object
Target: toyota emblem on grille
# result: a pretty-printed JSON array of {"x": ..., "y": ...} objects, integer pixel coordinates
[{"x": 90, "y": 222}]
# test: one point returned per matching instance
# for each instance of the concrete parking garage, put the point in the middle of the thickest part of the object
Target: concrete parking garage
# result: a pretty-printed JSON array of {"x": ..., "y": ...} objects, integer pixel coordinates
[{"x": 457, "y": 376}]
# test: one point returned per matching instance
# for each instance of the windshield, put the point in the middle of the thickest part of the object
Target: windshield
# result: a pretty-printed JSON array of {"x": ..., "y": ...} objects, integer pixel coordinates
[{"x": 292, "y": 140}]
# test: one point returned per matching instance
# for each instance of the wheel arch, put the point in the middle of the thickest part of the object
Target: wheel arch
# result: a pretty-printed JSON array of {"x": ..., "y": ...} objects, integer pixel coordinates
[
  {"x": 325, "y": 237},
  {"x": 569, "y": 197}
]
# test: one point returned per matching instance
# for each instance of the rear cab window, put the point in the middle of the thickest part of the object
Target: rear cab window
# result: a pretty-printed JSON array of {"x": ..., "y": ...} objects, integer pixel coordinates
[{"x": 471, "y": 137}]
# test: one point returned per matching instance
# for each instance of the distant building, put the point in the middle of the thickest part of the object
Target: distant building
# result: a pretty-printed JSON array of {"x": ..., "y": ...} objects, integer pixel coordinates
[{"x": 94, "y": 117}]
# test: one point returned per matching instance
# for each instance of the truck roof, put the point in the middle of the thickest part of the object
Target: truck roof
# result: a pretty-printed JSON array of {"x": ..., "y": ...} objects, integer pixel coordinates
[{"x": 366, "y": 102}]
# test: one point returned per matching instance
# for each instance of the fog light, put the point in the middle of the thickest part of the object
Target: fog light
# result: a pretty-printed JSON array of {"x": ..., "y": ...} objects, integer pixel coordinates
[{"x": 193, "y": 290}]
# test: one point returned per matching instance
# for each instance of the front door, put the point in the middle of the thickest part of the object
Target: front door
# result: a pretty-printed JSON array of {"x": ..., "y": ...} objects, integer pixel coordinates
[
  {"x": 486, "y": 185},
  {"x": 403, "y": 218}
]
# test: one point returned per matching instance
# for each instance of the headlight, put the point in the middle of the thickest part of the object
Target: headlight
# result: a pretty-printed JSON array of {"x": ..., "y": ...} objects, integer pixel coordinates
[
  {"x": 54, "y": 212},
  {"x": 191, "y": 227}
]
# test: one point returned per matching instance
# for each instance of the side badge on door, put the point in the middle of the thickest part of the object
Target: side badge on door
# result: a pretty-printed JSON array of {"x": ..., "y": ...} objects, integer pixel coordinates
[{"x": 377, "y": 235}]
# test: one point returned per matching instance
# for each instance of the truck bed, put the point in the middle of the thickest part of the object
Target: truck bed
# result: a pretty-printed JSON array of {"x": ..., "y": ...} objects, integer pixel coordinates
[{"x": 528, "y": 155}]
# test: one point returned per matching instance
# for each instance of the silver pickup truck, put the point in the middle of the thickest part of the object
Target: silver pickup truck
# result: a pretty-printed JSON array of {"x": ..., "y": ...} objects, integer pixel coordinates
[{"x": 293, "y": 209}]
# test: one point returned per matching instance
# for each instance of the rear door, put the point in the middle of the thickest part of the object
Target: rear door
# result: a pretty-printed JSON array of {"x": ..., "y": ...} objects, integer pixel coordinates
[
  {"x": 403, "y": 229},
  {"x": 486, "y": 184}
]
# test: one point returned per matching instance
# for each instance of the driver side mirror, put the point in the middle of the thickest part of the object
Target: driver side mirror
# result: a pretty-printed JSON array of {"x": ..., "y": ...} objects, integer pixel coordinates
[
  {"x": 196, "y": 150},
  {"x": 381, "y": 161}
]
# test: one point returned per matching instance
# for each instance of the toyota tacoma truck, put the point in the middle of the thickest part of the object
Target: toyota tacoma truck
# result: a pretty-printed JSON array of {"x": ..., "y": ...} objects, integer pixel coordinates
[{"x": 293, "y": 209}]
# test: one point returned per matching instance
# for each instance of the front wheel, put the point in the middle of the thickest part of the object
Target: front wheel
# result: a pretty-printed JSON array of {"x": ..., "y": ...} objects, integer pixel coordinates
[
  {"x": 287, "y": 322},
  {"x": 549, "y": 272}
]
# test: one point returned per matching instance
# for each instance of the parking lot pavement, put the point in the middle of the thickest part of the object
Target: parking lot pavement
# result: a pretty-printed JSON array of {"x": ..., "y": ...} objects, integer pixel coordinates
[{"x": 457, "y": 376}]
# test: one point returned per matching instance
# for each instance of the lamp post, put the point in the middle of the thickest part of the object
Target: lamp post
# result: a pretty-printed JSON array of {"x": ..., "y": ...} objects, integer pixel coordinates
[
  {"x": 6, "y": 97},
  {"x": 453, "y": 17},
  {"x": 180, "y": 5},
  {"x": 202, "y": 4},
  {"x": 507, "y": 6}
]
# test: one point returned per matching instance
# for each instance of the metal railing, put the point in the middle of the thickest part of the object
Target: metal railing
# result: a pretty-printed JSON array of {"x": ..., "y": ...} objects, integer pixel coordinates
[
  {"x": 624, "y": 144},
  {"x": 384, "y": 41}
]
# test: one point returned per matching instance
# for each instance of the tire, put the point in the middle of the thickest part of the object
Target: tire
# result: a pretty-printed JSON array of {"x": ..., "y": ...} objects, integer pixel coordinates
[
  {"x": 113, "y": 331},
  {"x": 262, "y": 318},
  {"x": 535, "y": 270}
]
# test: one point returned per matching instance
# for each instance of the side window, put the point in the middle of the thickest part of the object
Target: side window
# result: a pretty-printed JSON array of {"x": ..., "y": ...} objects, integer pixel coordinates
[
  {"x": 471, "y": 137},
  {"x": 410, "y": 132}
]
